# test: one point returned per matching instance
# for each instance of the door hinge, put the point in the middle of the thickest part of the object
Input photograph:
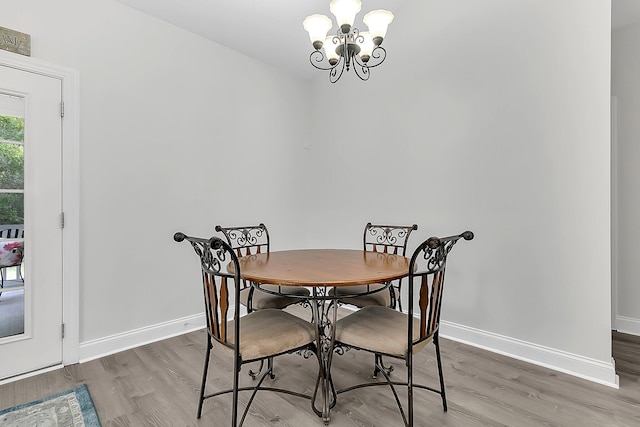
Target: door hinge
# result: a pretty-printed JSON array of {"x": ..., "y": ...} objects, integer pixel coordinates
[
  {"x": 62, "y": 109},
  {"x": 61, "y": 219},
  {"x": 63, "y": 330}
]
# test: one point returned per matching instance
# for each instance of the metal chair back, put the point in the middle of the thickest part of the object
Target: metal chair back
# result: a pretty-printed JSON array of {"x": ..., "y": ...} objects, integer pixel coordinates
[
  {"x": 220, "y": 282},
  {"x": 426, "y": 283},
  {"x": 247, "y": 240},
  {"x": 391, "y": 239}
]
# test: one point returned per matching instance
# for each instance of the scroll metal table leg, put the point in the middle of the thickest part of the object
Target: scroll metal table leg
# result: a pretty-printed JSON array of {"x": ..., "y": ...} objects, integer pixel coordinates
[{"x": 325, "y": 340}]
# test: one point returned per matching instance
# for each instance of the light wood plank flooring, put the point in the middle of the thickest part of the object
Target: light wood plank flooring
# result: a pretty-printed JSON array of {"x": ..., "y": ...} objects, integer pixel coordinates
[{"x": 157, "y": 385}]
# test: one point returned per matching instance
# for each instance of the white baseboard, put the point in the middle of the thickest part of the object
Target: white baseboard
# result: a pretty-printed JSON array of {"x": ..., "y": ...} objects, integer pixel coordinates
[
  {"x": 30, "y": 374},
  {"x": 580, "y": 366},
  {"x": 628, "y": 325},
  {"x": 94, "y": 349},
  {"x": 572, "y": 364}
]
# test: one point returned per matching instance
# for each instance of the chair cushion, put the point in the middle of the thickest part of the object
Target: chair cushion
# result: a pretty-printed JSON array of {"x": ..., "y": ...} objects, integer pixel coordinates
[
  {"x": 270, "y": 332},
  {"x": 379, "y": 330},
  {"x": 382, "y": 298},
  {"x": 263, "y": 300}
]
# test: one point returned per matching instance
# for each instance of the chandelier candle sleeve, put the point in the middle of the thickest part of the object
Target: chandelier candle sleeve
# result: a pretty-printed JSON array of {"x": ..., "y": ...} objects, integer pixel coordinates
[
  {"x": 366, "y": 46},
  {"x": 330, "y": 50},
  {"x": 378, "y": 21},
  {"x": 345, "y": 12},
  {"x": 317, "y": 26},
  {"x": 349, "y": 47}
]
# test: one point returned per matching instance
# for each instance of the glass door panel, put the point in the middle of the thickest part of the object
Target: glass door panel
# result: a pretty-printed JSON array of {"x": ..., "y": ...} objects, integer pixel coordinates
[{"x": 12, "y": 289}]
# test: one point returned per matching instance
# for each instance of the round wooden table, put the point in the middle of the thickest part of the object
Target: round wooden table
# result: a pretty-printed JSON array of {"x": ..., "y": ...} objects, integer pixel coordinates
[
  {"x": 323, "y": 270},
  {"x": 323, "y": 267}
]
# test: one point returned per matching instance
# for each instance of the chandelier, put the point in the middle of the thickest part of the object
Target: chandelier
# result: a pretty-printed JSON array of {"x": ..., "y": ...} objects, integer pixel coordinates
[{"x": 349, "y": 48}]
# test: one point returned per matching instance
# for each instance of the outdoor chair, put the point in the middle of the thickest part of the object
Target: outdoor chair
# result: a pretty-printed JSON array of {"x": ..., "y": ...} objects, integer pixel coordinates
[{"x": 11, "y": 253}]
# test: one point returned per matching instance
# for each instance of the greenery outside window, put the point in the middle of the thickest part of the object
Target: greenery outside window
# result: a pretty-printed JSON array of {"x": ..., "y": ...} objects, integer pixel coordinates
[{"x": 11, "y": 170}]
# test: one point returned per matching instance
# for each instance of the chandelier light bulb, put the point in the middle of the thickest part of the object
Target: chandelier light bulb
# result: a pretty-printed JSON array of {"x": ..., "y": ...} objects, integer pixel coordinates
[
  {"x": 345, "y": 12},
  {"x": 366, "y": 46},
  {"x": 317, "y": 26},
  {"x": 378, "y": 21},
  {"x": 330, "y": 50}
]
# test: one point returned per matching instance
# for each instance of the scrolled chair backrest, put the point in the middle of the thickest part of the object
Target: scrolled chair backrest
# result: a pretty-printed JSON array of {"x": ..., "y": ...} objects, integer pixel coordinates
[
  {"x": 426, "y": 273},
  {"x": 247, "y": 240},
  {"x": 391, "y": 239},
  {"x": 220, "y": 280}
]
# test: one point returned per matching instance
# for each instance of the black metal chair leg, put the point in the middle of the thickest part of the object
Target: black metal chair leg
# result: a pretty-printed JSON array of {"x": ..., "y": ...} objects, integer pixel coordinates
[
  {"x": 436, "y": 342},
  {"x": 409, "y": 390},
  {"x": 395, "y": 394},
  {"x": 234, "y": 413},
  {"x": 378, "y": 364},
  {"x": 254, "y": 374},
  {"x": 272, "y": 374},
  {"x": 204, "y": 376}
]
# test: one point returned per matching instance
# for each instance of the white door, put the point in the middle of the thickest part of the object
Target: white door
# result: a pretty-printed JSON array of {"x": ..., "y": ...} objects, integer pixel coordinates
[{"x": 40, "y": 343}]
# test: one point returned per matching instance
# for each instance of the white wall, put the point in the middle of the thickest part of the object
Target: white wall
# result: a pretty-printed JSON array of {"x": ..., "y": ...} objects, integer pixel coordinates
[
  {"x": 177, "y": 134},
  {"x": 491, "y": 116},
  {"x": 626, "y": 88}
]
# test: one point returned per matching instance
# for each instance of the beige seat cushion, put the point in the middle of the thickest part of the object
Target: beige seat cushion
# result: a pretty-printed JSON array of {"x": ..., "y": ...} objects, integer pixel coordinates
[
  {"x": 382, "y": 298},
  {"x": 379, "y": 330},
  {"x": 269, "y": 332},
  {"x": 263, "y": 300}
]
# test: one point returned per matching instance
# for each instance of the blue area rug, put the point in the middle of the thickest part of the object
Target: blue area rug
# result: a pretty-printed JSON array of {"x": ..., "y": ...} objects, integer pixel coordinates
[{"x": 73, "y": 408}]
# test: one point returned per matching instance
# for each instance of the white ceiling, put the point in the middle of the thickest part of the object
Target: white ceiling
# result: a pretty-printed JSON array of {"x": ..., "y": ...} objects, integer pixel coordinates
[
  {"x": 271, "y": 30},
  {"x": 268, "y": 30}
]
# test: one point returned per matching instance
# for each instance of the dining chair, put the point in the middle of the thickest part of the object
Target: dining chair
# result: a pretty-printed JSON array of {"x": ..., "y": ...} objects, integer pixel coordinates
[
  {"x": 251, "y": 240},
  {"x": 16, "y": 258},
  {"x": 385, "y": 331},
  {"x": 258, "y": 336},
  {"x": 389, "y": 239},
  {"x": 254, "y": 239}
]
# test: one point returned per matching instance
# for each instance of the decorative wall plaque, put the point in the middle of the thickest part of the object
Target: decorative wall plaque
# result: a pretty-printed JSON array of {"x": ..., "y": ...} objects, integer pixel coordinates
[{"x": 15, "y": 41}]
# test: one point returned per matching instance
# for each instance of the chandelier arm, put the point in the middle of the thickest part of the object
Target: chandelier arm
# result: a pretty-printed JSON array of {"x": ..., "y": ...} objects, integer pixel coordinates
[
  {"x": 334, "y": 75},
  {"x": 316, "y": 57},
  {"x": 364, "y": 73},
  {"x": 378, "y": 55},
  {"x": 358, "y": 61}
]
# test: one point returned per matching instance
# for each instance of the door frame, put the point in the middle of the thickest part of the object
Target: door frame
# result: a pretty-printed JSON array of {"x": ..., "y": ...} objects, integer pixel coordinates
[
  {"x": 70, "y": 193},
  {"x": 614, "y": 213}
]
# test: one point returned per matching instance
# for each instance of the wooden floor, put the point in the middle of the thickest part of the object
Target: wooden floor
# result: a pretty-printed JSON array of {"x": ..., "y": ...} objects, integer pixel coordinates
[{"x": 157, "y": 385}]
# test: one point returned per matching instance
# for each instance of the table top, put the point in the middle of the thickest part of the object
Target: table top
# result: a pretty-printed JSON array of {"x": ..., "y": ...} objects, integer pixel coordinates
[{"x": 323, "y": 267}]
